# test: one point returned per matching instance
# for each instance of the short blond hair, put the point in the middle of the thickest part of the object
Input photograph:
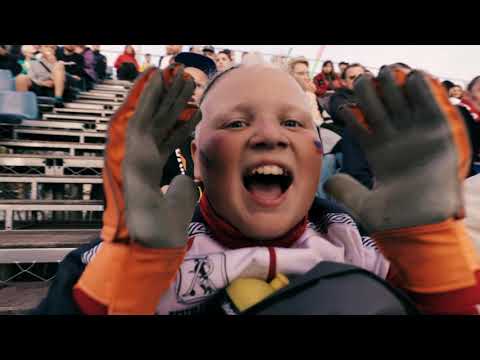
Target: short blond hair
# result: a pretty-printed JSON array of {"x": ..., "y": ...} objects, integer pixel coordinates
[
  {"x": 297, "y": 60},
  {"x": 27, "y": 49}
]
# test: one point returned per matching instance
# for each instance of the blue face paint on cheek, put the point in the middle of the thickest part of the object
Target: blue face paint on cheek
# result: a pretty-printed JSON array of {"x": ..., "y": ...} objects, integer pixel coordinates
[{"x": 318, "y": 146}]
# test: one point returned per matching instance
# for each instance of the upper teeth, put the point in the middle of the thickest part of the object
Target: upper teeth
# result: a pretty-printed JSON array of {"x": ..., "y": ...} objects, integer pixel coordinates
[{"x": 268, "y": 170}]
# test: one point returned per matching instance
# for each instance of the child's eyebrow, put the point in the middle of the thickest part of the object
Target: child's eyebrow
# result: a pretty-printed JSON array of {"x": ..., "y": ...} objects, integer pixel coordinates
[
  {"x": 249, "y": 109},
  {"x": 243, "y": 108}
]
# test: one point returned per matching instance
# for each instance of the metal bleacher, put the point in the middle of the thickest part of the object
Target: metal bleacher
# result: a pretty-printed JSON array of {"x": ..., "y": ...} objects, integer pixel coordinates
[{"x": 49, "y": 167}]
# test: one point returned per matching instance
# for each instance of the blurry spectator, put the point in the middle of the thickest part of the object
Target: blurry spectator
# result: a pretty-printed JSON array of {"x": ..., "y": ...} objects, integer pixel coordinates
[
  {"x": 231, "y": 55},
  {"x": 327, "y": 81},
  {"x": 245, "y": 53},
  {"x": 171, "y": 51},
  {"x": 345, "y": 94},
  {"x": 223, "y": 61},
  {"x": 196, "y": 49},
  {"x": 9, "y": 62},
  {"x": 126, "y": 64},
  {"x": 474, "y": 90},
  {"x": 471, "y": 99},
  {"x": 354, "y": 162},
  {"x": 74, "y": 65},
  {"x": 447, "y": 84},
  {"x": 14, "y": 51},
  {"x": 73, "y": 61},
  {"x": 298, "y": 68},
  {"x": 28, "y": 52},
  {"x": 147, "y": 63},
  {"x": 280, "y": 61},
  {"x": 209, "y": 51},
  {"x": 46, "y": 76},
  {"x": 89, "y": 62},
  {"x": 342, "y": 66},
  {"x": 470, "y": 109},
  {"x": 456, "y": 92},
  {"x": 100, "y": 63}
]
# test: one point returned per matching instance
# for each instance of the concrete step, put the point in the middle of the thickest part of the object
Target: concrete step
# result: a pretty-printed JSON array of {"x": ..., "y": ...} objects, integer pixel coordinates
[
  {"x": 21, "y": 297},
  {"x": 75, "y": 117},
  {"x": 84, "y": 111}
]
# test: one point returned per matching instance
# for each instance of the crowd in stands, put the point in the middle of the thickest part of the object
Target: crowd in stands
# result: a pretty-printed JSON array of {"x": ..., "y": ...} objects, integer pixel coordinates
[
  {"x": 58, "y": 72},
  {"x": 54, "y": 71}
]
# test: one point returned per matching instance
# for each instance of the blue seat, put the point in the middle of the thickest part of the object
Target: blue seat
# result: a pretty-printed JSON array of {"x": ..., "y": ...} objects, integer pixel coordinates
[
  {"x": 7, "y": 82},
  {"x": 16, "y": 106}
]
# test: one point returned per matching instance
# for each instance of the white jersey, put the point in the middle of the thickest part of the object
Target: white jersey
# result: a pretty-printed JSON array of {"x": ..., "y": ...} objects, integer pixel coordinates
[{"x": 209, "y": 267}]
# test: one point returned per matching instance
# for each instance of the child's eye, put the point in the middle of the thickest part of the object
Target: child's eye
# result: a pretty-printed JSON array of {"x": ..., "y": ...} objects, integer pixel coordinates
[
  {"x": 291, "y": 123},
  {"x": 236, "y": 124}
]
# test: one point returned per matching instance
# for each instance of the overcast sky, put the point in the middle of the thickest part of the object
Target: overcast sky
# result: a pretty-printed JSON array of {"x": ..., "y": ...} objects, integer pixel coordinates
[{"x": 460, "y": 63}]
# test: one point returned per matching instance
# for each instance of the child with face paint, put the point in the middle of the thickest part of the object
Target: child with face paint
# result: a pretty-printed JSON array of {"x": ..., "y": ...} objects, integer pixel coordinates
[{"x": 258, "y": 156}]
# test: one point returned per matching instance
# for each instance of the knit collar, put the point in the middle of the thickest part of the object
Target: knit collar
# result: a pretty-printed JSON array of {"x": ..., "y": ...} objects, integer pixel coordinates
[{"x": 230, "y": 237}]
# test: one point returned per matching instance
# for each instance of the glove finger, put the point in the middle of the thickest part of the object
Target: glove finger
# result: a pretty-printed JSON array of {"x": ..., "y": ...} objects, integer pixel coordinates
[
  {"x": 392, "y": 79},
  {"x": 172, "y": 94},
  {"x": 164, "y": 121},
  {"x": 437, "y": 113},
  {"x": 431, "y": 103},
  {"x": 352, "y": 116},
  {"x": 372, "y": 107},
  {"x": 347, "y": 191},
  {"x": 180, "y": 135},
  {"x": 149, "y": 100},
  {"x": 182, "y": 196}
]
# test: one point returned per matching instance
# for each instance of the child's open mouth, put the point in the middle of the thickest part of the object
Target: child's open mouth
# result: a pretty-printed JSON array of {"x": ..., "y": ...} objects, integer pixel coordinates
[{"x": 267, "y": 183}]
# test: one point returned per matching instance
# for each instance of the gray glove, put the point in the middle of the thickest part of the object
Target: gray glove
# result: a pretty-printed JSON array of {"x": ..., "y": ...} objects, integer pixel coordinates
[
  {"x": 153, "y": 219},
  {"x": 417, "y": 146}
]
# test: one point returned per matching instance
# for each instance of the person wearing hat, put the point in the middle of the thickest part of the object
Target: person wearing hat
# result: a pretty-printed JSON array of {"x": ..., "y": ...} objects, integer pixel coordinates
[
  {"x": 209, "y": 51},
  {"x": 201, "y": 68}
]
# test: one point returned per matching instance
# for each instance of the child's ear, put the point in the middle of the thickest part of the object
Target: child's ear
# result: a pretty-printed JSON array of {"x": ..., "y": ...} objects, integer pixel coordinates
[{"x": 197, "y": 173}]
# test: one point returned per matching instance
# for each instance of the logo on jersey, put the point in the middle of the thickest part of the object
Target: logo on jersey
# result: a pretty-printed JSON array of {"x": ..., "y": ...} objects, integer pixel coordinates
[{"x": 201, "y": 277}]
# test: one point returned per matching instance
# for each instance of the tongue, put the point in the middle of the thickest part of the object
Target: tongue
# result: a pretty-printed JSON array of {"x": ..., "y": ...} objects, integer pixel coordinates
[{"x": 266, "y": 191}]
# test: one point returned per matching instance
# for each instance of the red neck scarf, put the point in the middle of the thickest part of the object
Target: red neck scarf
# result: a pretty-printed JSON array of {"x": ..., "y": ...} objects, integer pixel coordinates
[{"x": 230, "y": 237}]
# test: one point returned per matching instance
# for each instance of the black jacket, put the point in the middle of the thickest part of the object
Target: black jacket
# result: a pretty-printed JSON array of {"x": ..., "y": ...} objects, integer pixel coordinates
[
  {"x": 100, "y": 65},
  {"x": 74, "y": 62},
  {"x": 340, "y": 97},
  {"x": 9, "y": 62},
  {"x": 354, "y": 161}
]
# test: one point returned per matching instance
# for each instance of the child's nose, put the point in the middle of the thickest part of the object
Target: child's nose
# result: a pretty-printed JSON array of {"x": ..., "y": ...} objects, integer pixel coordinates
[{"x": 268, "y": 135}]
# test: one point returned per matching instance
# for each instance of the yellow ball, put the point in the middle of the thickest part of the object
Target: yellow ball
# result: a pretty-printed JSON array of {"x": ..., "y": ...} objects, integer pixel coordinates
[{"x": 246, "y": 292}]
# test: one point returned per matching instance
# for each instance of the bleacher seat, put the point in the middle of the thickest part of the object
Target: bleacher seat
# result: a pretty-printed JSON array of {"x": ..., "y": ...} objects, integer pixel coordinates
[
  {"x": 7, "y": 82},
  {"x": 16, "y": 106}
]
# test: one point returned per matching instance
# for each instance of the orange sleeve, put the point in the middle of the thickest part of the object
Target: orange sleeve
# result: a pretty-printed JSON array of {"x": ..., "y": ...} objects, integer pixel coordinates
[
  {"x": 125, "y": 277},
  {"x": 130, "y": 279},
  {"x": 431, "y": 258}
]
